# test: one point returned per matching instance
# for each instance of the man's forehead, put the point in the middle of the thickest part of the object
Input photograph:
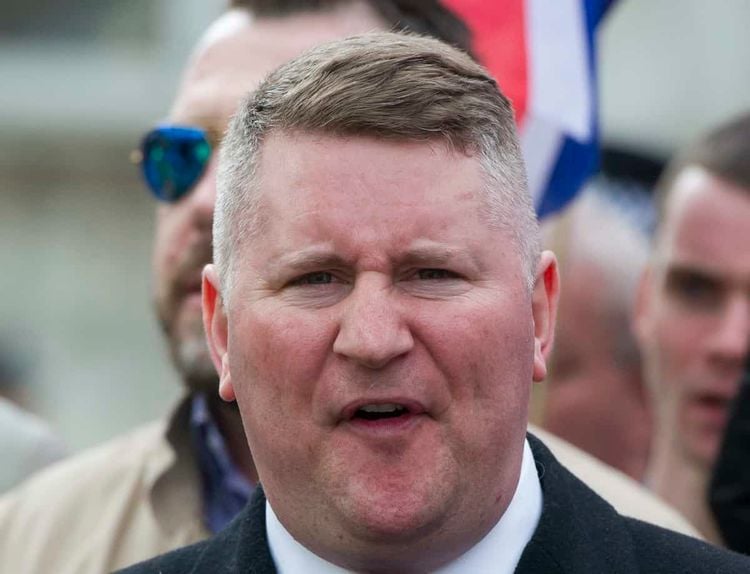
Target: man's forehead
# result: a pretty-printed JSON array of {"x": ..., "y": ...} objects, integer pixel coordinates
[
  {"x": 239, "y": 50},
  {"x": 224, "y": 67},
  {"x": 695, "y": 185},
  {"x": 706, "y": 224}
]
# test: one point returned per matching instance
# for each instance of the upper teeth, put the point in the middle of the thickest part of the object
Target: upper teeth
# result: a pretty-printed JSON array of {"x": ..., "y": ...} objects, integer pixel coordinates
[{"x": 384, "y": 408}]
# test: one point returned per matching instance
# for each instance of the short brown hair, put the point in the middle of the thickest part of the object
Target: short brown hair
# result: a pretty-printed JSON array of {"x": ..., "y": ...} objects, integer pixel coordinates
[
  {"x": 724, "y": 152},
  {"x": 390, "y": 86},
  {"x": 426, "y": 17}
]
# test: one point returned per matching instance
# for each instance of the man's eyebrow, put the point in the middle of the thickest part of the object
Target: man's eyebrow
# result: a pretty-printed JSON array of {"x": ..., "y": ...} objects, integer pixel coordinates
[
  {"x": 437, "y": 254},
  {"x": 306, "y": 259},
  {"x": 319, "y": 257},
  {"x": 682, "y": 271}
]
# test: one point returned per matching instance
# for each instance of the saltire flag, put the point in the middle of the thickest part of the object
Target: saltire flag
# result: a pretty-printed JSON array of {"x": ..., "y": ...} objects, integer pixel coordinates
[{"x": 542, "y": 54}]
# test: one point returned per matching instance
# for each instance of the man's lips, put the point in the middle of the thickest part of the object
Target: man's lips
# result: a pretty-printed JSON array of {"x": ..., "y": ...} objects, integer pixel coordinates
[
  {"x": 383, "y": 418},
  {"x": 381, "y": 408},
  {"x": 711, "y": 408}
]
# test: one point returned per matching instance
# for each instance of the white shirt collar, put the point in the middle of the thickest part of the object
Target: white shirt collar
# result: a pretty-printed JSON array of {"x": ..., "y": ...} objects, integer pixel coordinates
[{"x": 498, "y": 552}]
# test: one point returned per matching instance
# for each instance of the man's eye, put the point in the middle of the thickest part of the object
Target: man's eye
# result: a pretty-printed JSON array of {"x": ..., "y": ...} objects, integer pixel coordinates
[
  {"x": 432, "y": 274},
  {"x": 316, "y": 278},
  {"x": 695, "y": 290}
]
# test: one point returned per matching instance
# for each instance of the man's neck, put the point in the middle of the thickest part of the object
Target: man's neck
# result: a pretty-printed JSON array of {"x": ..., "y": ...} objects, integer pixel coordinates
[
  {"x": 227, "y": 418},
  {"x": 683, "y": 484}
]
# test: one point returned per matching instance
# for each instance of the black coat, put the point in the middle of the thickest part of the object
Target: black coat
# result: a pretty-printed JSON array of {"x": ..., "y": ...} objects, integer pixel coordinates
[
  {"x": 578, "y": 533},
  {"x": 729, "y": 492}
]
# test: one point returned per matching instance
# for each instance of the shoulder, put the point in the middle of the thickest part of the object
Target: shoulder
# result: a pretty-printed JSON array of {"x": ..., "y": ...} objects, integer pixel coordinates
[
  {"x": 241, "y": 547},
  {"x": 196, "y": 558},
  {"x": 95, "y": 468},
  {"x": 656, "y": 547},
  {"x": 580, "y": 532},
  {"x": 76, "y": 508},
  {"x": 626, "y": 495}
]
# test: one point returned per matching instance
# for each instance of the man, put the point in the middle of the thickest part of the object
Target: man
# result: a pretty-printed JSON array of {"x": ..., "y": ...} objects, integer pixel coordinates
[
  {"x": 693, "y": 313},
  {"x": 594, "y": 396},
  {"x": 373, "y": 221},
  {"x": 169, "y": 484}
]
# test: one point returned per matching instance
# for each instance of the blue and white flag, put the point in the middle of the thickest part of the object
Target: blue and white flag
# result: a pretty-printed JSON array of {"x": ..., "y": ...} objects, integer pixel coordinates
[{"x": 543, "y": 54}]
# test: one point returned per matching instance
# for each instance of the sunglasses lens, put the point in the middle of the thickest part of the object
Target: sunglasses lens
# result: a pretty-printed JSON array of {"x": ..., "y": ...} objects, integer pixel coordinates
[{"x": 173, "y": 159}]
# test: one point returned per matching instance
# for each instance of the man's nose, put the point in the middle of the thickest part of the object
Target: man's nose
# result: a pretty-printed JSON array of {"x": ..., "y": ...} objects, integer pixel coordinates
[
  {"x": 373, "y": 329},
  {"x": 731, "y": 340}
]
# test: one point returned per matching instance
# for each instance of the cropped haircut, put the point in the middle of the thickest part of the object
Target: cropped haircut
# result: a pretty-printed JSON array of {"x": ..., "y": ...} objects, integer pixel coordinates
[
  {"x": 724, "y": 152},
  {"x": 426, "y": 17},
  {"x": 392, "y": 87}
]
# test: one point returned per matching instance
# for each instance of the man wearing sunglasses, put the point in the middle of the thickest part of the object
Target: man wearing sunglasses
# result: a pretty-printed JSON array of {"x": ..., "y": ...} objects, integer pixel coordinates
[{"x": 171, "y": 484}]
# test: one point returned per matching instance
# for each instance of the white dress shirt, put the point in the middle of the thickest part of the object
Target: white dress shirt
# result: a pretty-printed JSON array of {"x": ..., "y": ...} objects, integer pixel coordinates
[{"x": 497, "y": 553}]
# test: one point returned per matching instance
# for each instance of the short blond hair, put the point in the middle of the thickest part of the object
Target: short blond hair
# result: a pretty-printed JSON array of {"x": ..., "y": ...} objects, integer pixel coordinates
[{"x": 390, "y": 86}]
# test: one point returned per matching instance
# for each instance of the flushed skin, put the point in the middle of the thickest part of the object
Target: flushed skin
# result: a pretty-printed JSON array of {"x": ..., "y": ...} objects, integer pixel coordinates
[{"x": 379, "y": 275}]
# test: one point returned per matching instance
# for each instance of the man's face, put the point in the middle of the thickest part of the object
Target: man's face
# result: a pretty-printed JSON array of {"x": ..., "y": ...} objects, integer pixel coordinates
[
  {"x": 233, "y": 57},
  {"x": 381, "y": 341},
  {"x": 693, "y": 317}
]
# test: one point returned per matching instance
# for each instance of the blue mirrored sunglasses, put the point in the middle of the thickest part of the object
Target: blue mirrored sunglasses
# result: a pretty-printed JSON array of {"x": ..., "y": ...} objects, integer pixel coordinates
[{"x": 172, "y": 159}]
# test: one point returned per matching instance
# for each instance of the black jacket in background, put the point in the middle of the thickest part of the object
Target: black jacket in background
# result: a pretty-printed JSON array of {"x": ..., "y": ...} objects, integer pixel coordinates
[
  {"x": 578, "y": 533},
  {"x": 729, "y": 491}
]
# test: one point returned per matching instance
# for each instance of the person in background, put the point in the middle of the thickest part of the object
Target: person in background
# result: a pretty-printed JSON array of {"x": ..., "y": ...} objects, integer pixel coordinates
[
  {"x": 27, "y": 443},
  {"x": 178, "y": 481},
  {"x": 373, "y": 221},
  {"x": 729, "y": 490},
  {"x": 594, "y": 396},
  {"x": 692, "y": 316}
]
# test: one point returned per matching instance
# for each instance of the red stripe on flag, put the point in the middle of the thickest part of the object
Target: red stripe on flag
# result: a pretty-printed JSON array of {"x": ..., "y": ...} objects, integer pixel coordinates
[{"x": 498, "y": 30}]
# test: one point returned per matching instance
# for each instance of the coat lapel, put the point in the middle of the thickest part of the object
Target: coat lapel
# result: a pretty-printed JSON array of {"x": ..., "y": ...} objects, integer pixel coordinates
[{"x": 578, "y": 531}]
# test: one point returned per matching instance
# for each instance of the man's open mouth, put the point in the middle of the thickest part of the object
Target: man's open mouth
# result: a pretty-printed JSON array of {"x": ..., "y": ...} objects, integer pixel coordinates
[{"x": 376, "y": 412}]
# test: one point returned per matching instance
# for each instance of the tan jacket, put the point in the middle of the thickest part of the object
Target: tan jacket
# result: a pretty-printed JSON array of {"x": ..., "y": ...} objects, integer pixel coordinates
[
  {"x": 127, "y": 500},
  {"x": 139, "y": 496}
]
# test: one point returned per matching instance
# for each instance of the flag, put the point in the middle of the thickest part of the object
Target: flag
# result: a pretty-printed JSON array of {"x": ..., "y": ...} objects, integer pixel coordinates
[{"x": 542, "y": 54}]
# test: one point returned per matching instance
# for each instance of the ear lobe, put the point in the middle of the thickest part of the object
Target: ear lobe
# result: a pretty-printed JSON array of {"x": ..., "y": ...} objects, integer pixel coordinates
[
  {"x": 226, "y": 388},
  {"x": 544, "y": 302},
  {"x": 215, "y": 326}
]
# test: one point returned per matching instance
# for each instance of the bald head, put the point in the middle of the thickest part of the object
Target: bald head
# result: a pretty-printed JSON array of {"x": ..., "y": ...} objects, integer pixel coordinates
[{"x": 594, "y": 395}]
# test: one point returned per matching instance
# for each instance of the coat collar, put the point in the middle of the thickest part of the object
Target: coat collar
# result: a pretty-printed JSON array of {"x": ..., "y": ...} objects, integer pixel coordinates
[{"x": 578, "y": 533}]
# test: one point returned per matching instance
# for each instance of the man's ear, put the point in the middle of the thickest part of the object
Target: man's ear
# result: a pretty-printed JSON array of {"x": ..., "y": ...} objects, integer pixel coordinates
[
  {"x": 544, "y": 311},
  {"x": 215, "y": 325}
]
